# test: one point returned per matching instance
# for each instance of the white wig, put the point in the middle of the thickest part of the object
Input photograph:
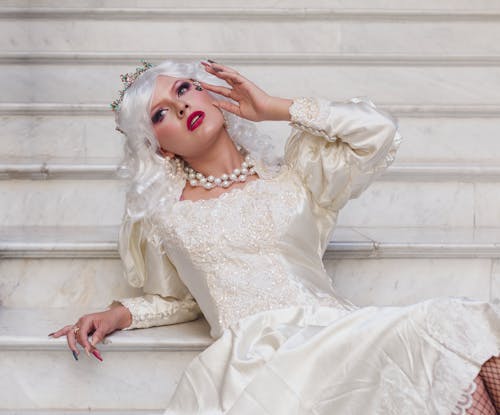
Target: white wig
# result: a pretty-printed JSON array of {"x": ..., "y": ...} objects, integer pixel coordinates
[{"x": 154, "y": 180}]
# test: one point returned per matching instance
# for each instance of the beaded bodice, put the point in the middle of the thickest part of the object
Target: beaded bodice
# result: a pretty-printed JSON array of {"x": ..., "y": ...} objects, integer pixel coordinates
[{"x": 238, "y": 253}]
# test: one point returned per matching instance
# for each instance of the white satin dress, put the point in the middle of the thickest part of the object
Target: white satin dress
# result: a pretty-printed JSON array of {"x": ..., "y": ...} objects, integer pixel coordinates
[{"x": 286, "y": 342}]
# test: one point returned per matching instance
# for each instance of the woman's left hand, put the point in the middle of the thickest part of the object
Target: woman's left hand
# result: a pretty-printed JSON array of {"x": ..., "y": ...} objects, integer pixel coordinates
[{"x": 252, "y": 102}]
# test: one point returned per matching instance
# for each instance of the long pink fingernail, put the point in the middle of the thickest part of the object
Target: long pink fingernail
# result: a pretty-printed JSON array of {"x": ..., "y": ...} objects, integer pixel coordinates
[{"x": 97, "y": 355}]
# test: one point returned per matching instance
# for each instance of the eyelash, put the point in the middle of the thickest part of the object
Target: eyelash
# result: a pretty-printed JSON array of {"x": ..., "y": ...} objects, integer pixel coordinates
[{"x": 156, "y": 116}]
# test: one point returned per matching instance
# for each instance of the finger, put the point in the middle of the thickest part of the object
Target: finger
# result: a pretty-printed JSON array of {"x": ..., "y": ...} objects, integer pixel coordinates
[
  {"x": 82, "y": 336},
  {"x": 70, "y": 338},
  {"x": 228, "y": 106},
  {"x": 234, "y": 78},
  {"x": 97, "y": 337},
  {"x": 222, "y": 90},
  {"x": 60, "y": 332},
  {"x": 221, "y": 66},
  {"x": 211, "y": 68},
  {"x": 230, "y": 77}
]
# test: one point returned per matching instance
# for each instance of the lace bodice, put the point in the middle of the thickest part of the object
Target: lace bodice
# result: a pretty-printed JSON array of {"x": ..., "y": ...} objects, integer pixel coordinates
[
  {"x": 260, "y": 247},
  {"x": 238, "y": 253}
]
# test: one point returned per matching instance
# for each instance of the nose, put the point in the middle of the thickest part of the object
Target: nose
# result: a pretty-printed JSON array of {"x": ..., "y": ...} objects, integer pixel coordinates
[{"x": 182, "y": 109}]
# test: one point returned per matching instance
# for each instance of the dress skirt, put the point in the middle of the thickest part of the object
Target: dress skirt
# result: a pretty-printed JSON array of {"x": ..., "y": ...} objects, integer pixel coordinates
[{"x": 321, "y": 360}]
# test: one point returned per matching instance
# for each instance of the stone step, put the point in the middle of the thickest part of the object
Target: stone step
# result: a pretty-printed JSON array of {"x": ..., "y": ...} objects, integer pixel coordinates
[
  {"x": 61, "y": 169},
  {"x": 139, "y": 371},
  {"x": 81, "y": 265},
  {"x": 454, "y": 7},
  {"x": 52, "y": 411},
  {"x": 429, "y": 137},
  {"x": 386, "y": 202},
  {"x": 464, "y": 83},
  {"x": 325, "y": 29}
]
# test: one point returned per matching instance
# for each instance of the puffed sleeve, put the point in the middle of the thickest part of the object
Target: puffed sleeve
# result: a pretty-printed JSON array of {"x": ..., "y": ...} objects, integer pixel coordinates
[
  {"x": 166, "y": 299},
  {"x": 339, "y": 148}
]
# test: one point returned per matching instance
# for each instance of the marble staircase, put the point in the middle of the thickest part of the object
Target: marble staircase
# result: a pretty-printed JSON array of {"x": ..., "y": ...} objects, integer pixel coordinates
[{"x": 430, "y": 226}]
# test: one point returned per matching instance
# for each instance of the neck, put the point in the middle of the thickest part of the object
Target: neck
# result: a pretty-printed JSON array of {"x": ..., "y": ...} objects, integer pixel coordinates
[{"x": 222, "y": 157}]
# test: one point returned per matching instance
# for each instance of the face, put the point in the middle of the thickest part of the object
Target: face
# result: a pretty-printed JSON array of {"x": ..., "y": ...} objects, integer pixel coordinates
[{"x": 184, "y": 119}]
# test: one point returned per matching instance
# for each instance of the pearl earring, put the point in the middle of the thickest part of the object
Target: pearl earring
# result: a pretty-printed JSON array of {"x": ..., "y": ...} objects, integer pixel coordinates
[{"x": 197, "y": 86}]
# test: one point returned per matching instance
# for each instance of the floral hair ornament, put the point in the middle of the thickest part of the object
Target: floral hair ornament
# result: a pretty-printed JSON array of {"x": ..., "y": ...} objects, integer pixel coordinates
[{"x": 128, "y": 79}]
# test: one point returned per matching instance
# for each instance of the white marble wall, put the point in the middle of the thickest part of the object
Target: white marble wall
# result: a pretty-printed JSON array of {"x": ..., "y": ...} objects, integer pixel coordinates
[
  {"x": 87, "y": 383},
  {"x": 220, "y": 33},
  {"x": 340, "y": 5},
  {"x": 98, "y": 83},
  {"x": 426, "y": 62},
  {"x": 75, "y": 137},
  {"x": 93, "y": 283},
  {"x": 431, "y": 63},
  {"x": 401, "y": 281},
  {"x": 384, "y": 203},
  {"x": 62, "y": 282}
]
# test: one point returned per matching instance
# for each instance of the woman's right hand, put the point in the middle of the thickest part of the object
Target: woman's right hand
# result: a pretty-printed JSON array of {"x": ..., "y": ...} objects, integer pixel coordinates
[
  {"x": 99, "y": 325},
  {"x": 252, "y": 103}
]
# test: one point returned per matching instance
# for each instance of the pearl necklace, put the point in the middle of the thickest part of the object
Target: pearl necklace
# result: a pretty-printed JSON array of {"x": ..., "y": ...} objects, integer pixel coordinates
[{"x": 238, "y": 175}]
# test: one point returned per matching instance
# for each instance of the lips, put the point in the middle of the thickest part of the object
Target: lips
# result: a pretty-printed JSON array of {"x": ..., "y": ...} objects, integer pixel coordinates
[{"x": 195, "y": 119}]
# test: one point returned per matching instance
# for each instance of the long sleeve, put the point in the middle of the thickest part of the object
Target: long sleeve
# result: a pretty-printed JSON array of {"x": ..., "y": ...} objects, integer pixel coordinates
[
  {"x": 166, "y": 299},
  {"x": 339, "y": 148}
]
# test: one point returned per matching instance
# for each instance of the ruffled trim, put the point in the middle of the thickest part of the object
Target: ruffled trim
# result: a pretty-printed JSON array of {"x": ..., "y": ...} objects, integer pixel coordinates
[
  {"x": 464, "y": 333},
  {"x": 309, "y": 114},
  {"x": 466, "y": 400}
]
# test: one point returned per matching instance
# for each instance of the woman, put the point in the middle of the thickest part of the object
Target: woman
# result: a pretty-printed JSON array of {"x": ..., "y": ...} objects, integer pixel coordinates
[{"x": 220, "y": 228}]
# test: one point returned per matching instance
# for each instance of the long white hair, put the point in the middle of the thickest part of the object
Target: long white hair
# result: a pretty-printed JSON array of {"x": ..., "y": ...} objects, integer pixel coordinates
[{"x": 154, "y": 181}]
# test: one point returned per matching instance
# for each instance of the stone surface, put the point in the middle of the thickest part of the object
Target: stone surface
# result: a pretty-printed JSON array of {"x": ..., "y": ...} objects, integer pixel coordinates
[
  {"x": 406, "y": 240},
  {"x": 403, "y": 281},
  {"x": 254, "y": 35},
  {"x": 62, "y": 202},
  {"x": 487, "y": 204},
  {"x": 59, "y": 137},
  {"x": 143, "y": 365},
  {"x": 81, "y": 138},
  {"x": 412, "y": 5},
  {"x": 65, "y": 267},
  {"x": 62, "y": 282},
  {"x": 384, "y": 203},
  {"x": 421, "y": 204},
  {"x": 100, "y": 83}
]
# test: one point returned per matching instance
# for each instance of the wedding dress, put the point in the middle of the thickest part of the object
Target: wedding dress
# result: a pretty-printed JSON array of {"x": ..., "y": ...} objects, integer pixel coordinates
[{"x": 286, "y": 342}]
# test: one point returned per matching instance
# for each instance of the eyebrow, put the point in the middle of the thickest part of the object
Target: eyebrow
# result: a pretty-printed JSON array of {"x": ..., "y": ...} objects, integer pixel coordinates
[{"x": 159, "y": 102}]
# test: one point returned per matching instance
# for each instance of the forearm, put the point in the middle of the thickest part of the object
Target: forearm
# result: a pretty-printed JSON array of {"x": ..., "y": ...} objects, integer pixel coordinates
[
  {"x": 123, "y": 315},
  {"x": 277, "y": 109},
  {"x": 151, "y": 310}
]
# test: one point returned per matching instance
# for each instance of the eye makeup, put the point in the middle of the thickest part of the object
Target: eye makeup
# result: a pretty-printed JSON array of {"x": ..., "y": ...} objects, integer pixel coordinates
[{"x": 158, "y": 115}]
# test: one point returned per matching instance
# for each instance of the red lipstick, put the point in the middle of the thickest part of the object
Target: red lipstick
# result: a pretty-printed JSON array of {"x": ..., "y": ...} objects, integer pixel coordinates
[{"x": 199, "y": 115}]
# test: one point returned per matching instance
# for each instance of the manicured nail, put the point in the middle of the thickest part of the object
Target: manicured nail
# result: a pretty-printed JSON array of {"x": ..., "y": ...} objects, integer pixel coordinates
[
  {"x": 75, "y": 355},
  {"x": 88, "y": 353},
  {"x": 97, "y": 355},
  {"x": 211, "y": 61},
  {"x": 51, "y": 334}
]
